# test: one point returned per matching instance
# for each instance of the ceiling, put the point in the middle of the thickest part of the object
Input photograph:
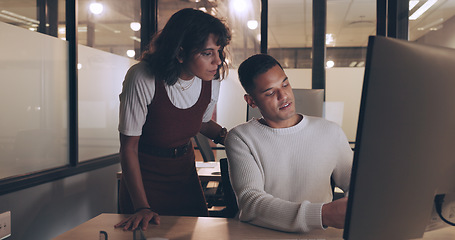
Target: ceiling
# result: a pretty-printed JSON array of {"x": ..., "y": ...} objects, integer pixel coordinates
[{"x": 290, "y": 21}]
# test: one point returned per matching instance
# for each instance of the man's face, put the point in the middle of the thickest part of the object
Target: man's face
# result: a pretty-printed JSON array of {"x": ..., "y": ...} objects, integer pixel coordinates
[{"x": 274, "y": 97}]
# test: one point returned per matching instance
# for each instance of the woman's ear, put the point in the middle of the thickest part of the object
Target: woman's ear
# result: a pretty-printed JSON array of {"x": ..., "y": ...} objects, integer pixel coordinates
[
  {"x": 180, "y": 56},
  {"x": 249, "y": 100}
]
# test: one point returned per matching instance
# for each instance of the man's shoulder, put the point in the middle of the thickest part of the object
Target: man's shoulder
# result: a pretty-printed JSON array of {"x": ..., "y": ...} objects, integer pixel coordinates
[
  {"x": 244, "y": 126},
  {"x": 243, "y": 130},
  {"x": 321, "y": 121}
]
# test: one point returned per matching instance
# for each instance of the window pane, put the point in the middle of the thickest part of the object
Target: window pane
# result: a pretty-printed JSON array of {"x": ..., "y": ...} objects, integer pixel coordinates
[
  {"x": 436, "y": 26},
  {"x": 290, "y": 32},
  {"x": 348, "y": 26},
  {"x": 103, "y": 62},
  {"x": 108, "y": 25},
  {"x": 33, "y": 93}
]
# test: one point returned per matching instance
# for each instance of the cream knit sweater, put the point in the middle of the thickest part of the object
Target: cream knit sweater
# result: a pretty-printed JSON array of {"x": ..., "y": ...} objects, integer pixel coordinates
[{"x": 281, "y": 176}]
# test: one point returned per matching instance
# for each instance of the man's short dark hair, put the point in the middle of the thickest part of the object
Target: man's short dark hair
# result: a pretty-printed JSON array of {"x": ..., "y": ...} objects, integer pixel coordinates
[{"x": 253, "y": 67}]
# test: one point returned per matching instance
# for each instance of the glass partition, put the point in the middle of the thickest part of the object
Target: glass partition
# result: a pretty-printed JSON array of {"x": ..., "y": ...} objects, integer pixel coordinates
[
  {"x": 109, "y": 42},
  {"x": 33, "y": 101}
]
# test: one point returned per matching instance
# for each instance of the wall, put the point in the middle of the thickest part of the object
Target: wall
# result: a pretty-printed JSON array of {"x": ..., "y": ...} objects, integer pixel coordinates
[{"x": 47, "y": 210}]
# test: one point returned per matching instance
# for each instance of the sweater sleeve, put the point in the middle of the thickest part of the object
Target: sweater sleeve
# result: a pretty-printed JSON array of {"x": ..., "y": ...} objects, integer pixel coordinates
[
  {"x": 342, "y": 173},
  {"x": 257, "y": 206}
]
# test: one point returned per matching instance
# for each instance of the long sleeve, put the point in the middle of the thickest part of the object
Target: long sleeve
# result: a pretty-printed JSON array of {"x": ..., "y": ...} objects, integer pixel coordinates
[{"x": 281, "y": 177}]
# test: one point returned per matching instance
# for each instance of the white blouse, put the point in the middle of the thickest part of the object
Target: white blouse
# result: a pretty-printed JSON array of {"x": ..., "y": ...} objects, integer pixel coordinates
[{"x": 139, "y": 89}]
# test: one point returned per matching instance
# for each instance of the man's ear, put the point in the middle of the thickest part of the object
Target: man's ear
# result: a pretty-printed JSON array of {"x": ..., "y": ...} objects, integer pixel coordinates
[{"x": 249, "y": 100}]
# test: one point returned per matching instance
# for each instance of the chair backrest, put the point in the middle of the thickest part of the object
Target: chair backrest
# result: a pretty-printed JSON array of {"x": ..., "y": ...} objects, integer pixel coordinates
[
  {"x": 203, "y": 143},
  {"x": 229, "y": 195},
  {"x": 307, "y": 101}
]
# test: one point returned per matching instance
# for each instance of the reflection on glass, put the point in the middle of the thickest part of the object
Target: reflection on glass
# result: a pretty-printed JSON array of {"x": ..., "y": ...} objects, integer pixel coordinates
[
  {"x": 432, "y": 22},
  {"x": 109, "y": 42}
]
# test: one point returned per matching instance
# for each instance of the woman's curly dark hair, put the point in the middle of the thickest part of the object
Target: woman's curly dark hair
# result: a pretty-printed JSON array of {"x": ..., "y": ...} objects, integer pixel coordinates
[{"x": 184, "y": 35}]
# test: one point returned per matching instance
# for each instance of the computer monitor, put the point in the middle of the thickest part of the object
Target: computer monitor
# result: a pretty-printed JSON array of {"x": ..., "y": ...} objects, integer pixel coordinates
[{"x": 405, "y": 144}]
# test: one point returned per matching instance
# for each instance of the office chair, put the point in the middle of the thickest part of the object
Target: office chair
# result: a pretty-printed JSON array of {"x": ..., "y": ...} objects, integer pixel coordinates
[
  {"x": 203, "y": 143},
  {"x": 213, "y": 195},
  {"x": 229, "y": 196}
]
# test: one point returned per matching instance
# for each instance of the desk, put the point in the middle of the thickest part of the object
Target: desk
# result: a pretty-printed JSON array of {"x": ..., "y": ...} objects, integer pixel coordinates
[
  {"x": 189, "y": 228},
  {"x": 207, "y": 228},
  {"x": 209, "y": 171}
]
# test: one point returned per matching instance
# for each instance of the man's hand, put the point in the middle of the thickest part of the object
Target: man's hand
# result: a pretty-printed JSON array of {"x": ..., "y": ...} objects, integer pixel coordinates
[{"x": 333, "y": 214}]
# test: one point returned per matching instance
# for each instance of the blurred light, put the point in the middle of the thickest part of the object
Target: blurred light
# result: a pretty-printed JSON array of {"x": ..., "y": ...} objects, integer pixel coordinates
[
  {"x": 79, "y": 66},
  {"x": 361, "y": 64},
  {"x": 130, "y": 53},
  {"x": 62, "y": 30},
  {"x": 96, "y": 8},
  {"x": 422, "y": 9},
  {"x": 431, "y": 25},
  {"x": 258, "y": 37},
  {"x": 328, "y": 38},
  {"x": 32, "y": 29},
  {"x": 412, "y": 4},
  {"x": 330, "y": 64},
  {"x": 135, "y": 38},
  {"x": 239, "y": 6},
  {"x": 352, "y": 64},
  {"x": 252, "y": 24},
  {"x": 135, "y": 26},
  {"x": 203, "y": 9}
]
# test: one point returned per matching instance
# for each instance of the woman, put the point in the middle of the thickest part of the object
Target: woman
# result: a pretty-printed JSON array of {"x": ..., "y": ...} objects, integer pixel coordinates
[{"x": 167, "y": 98}]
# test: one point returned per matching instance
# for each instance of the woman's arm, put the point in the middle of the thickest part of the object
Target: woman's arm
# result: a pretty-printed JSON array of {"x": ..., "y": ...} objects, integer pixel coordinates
[
  {"x": 131, "y": 174},
  {"x": 214, "y": 131}
]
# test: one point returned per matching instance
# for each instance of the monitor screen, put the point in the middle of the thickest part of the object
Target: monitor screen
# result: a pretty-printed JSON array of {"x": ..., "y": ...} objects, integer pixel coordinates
[{"x": 405, "y": 144}]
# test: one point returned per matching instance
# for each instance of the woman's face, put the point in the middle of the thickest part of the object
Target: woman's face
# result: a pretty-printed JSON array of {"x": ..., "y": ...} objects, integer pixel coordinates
[{"x": 203, "y": 64}]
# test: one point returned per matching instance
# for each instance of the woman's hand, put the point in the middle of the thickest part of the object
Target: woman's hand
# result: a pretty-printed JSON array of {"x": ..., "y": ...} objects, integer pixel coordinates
[{"x": 141, "y": 218}]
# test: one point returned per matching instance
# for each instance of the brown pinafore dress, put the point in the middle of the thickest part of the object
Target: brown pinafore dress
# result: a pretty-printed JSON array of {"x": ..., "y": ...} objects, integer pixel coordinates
[{"x": 171, "y": 184}]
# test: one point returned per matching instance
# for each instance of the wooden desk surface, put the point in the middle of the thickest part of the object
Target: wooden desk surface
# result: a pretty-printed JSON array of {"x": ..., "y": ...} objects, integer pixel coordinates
[
  {"x": 202, "y": 228},
  {"x": 189, "y": 228}
]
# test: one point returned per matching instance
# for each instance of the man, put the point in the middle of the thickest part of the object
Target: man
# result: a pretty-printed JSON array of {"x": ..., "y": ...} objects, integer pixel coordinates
[{"x": 281, "y": 165}]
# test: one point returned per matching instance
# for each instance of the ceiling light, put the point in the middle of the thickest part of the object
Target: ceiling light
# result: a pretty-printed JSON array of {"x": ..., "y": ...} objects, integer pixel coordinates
[
  {"x": 412, "y": 4},
  {"x": 330, "y": 64},
  {"x": 422, "y": 9},
  {"x": 135, "y": 38},
  {"x": 96, "y": 8},
  {"x": 135, "y": 26},
  {"x": 328, "y": 38},
  {"x": 252, "y": 24},
  {"x": 239, "y": 6},
  {"x": 131, "y": 53},
  {"x": 361, "y": 64},
  {"x": 432, "y": 24},
  {"x": 352, "y": 64}
]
